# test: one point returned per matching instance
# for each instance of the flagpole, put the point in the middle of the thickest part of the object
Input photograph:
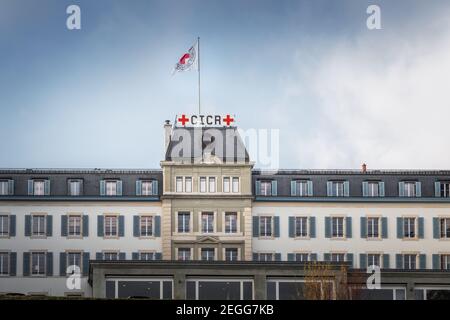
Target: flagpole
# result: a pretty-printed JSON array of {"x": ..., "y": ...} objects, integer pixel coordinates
[{"x": 198, "y": 67}]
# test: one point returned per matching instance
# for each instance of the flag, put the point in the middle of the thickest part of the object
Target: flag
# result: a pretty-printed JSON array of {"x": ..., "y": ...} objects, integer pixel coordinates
[{"x": 188, "y": 60}]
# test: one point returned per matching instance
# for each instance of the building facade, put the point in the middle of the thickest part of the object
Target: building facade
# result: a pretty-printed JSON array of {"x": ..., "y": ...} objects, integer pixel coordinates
[{"x": 251, "y": 233}]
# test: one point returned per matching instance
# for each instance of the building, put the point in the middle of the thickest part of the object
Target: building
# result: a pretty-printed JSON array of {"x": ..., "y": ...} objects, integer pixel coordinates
[{"x": 207, "y": 224}]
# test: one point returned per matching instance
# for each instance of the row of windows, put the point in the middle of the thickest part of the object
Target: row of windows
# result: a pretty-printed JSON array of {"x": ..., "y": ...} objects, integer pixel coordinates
[
  {"x": 207, "y": 184},
  {"x": 110, "y": 187},
  {"x": 304, "y": 188},
  {"x": 208, "y": 222},
  {"x": 339, "y": 227}
]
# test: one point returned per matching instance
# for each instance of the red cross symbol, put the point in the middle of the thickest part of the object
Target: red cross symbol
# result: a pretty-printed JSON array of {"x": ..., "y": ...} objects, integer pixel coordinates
[
  {"x": 183, "y": 119},
  {"x": 228, "y": 119}
]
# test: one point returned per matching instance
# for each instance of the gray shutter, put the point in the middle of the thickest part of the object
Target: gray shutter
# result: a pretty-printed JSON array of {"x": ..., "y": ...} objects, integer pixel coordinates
[
  {"x": 138, "y": 187},
  {"x": 49, "y": 264},
  {"x": 100, "y": 228},
  {"x": 400, "y": 228},
  {"x": 310, "y": 187},
  {"x": 401, "y": 189},
  {"x": 277, "y": 256},
  {"x": 99, "y": 256},
  {"x": 155, "y": 187},
  {"x": 346, "y": 189},
  {"x": 312, "y": 227},
  {"x": 12, "y": 264},
  {"x": 326, "y": 257},
  {"x": 437, "y": 189},
  {"x": 291, "y": 257},
  {"x": 26, "y": 264},
  {"x": 436, "y": 262},
  {"x": 329, "y": 188},
  {"x": 135, "y": 256},
  {"x": 399, "y": 261},
  {"x": 11, "y": 187},
  {"x": 362, "y": 260},
  {"x": 276, "y": 226},
  {"x": 255, "y": 227},
  {"x": 384, "y": 227},
  {"x": 363, "y": 226},
  {"x": 421, "y": 227},
  {"x": 12, "y": 225},
  {"x": 47, "y": 187},
  {"x": 386, "y": 264},
  {"x": 121, "y": 226},
  {"x": 30, "y": 187},
  {"x": 136, "y": 232},
  {"x": 365, "y": 189},
  {"x": 422, "y": 261},
  {"x": 255, "y": 256},
  {"x": 436, "y": 228},
  {"x": 85, "y": 225},
  {"x": 293, "y": 188},
  {"x": 274, "y": 187},
  {"x": 291, "y": 227},
  {"x": 158, "y": 255},
  {"x": 348, "y": 225},
  {"x": 102, "y": 187},
  {"x": 350, "y": 259},
  {"x": 418, "y": 189},
  {"x": 122, "y": 256},
  {"x": 258, "y": 187},
  {"x": 63, "y": 226},
  {"x": 381, "y": 191},
  {"x": 62, "y": 264},
  {"x": 49, "y": 220},
  {"x": 119, "y": 187},
  {"x": 27, "y": 225},
  {"x": 86, "y": 263},
  {"x": 327, "y": 227},
  {"x": 157, "y": 226},
  {"x": 313, "y": 257}
]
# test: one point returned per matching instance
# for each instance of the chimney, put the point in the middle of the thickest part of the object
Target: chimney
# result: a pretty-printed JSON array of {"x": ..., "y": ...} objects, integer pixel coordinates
[
  {"x": 167, "y": 133},
  {"x": 364, "y": 168}
]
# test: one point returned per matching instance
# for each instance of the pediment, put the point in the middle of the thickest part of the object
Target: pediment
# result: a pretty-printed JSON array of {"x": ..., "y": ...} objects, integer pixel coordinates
[{"x": 207, "y": 239}]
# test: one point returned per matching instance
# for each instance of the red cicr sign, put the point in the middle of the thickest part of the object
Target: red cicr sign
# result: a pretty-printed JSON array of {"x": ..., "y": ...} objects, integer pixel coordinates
[{"x": 205, "y": 120}]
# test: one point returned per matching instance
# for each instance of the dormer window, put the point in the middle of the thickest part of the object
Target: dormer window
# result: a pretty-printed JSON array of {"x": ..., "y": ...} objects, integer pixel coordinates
[
  {"x": 39, "y": 187},
  {"x": 338, "y": 188},
  {"x": 373, "y": 189},
  {"x": 111, "y": 187},
  {"x": 75, "y": 187},
  {"x": 409, "y": 189}
]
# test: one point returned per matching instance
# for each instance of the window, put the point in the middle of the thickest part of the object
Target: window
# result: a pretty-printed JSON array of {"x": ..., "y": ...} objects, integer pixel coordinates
[
  {"x": 179, "y": 184},
  {"x": 147, "y": 256},
  {"x": 4, "y": 263},
  {"x": 266, "y": 256},
  {"x": 230, "y": 222},
  {"x": 184, "y": 254},
  {"x": 4, "y": 190},
  {"x": 266, "y": 188},
  {"x": 188, "y": 184},
  {"x": 337, "y": 188},
  {"x": 409, "y": 261},
  {"x": 146, "y": 188},
  {"x": 373, "y": 260},
  {"x": 38, "y": 225},
  {"x": 409, "y": 227},
  {"x": 4, "y": 226},
  {"x": 74, "y": 187},
  {"x": 110, "y": 256},
  {"x": 212, "y": 184},
  {"x": 373, "y": 189},
  {"x": 111, "y": 229},
  {"x": 207, "y": 254},
  {"x": 301, "y": 227},
  {"x": 373, "y": 227},
  {"x": 231, "y": 254},
  {"x": 301, "y": 188},
  {"x": 74, "y": 259},
  {"x": 444, "y": 228},
  {"x": 111, "y": 188},
  {"x": 38, "y": 263},
  {"x": 445, "y": 189},
  {"x": 235, "y": 184},
  {"x": 184, "y": 222},
  {"x": 74, "y": 225},
  {"x": 338, "y": 257},
  {"x": 207, "y": 222},
  {"x": 226, "y": 184},
  {"x": 38, "y": 187},
  {"x": 202, "y": 184},
  {"x": 337, "y": 227},
  {"x": 409, "y": 189},
  {"x": 146, "y": 226},
  {"x": 265, "y": 226},
  {"x": 445, "y": 261},
  {"x": 302, "y": 257}
]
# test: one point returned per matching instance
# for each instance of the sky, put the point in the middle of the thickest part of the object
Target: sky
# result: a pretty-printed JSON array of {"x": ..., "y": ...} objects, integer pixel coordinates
[{"x": 339, "y": 94}]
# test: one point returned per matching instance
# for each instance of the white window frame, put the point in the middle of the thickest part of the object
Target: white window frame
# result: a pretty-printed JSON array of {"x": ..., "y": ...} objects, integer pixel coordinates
[
  {"x": 368, "y": 228},
  {"x": 152, "y": 253},
  {"x": 375, "y": 254},
  {"x": 214, "y": 256},
  {"x": 214, "y": 222},
  {"x": 111, "y": 252},
  {"x": 77, "y": 191},
  {"x": 415, "y": 227},
  {"x": 183, "y": 249},
  {"x": 265, "y": 187},
  {"x": 5, "y": 219},
  {"x": 343, "y": 227},
  {"x": 179, "y": 182},
  {"x": 238, "y": 185},
  {"x": 152, "y": 227},
  {"x": 8, "y": 263},
  {"x": 39, "y": 274},
  {"x": 41, "y": 234},
  {"x": 68, "y": 264},
  {"x": 212, "y": 182},
  {"x": 202, "y": 184},
  {"x": 238, "y": 253},
  {"x": 227, "y": 183},
  {"x": 146, "y": 187},
  {"x": 303, "y": 227},
  {"x": 116, "y": 219},
  {"x": 409, "y": 189},
  {"x": 443, "y": 234},
  {"x": 111, "y": 187},
  {"x": 414, "y": 256},
  {"x": 80, "y": 217},
  {"x": 38, "y": 187},
  {"x": 4, "y": 188},
  {"x": 272, "y": 229},
  {"x": 189, "y": 213},
  {"x": 371, "y": 187},
  {"x": 228, "y": 213}
]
